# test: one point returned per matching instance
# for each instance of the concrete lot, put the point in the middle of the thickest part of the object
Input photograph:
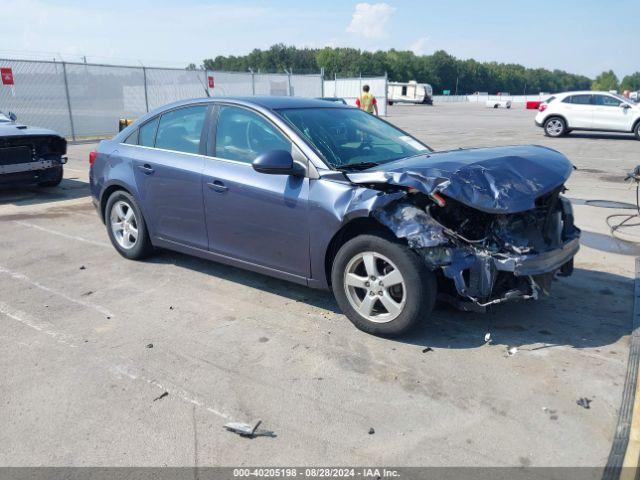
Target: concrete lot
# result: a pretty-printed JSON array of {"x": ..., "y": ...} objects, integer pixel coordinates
[{"x": 78, "y": 385}]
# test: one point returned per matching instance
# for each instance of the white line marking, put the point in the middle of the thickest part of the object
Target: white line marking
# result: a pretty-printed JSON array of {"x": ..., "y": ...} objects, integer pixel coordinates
[
  {"x": 172, "y": 389},
  {"x": 60, "y": 234},
  {"x": 119, "y": 370},
  {"x": 24, "y": 278},
  {"x": 45, "y": 328}
]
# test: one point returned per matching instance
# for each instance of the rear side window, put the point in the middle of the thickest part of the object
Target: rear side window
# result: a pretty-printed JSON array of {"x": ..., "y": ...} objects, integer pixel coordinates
[
  {"x": 243, "y": 135},
  {"x": 148, "y": 133},
  {"x": 180, "y": 130},
  {"x": 578, "y": 99},
  {"x": 607, "y": 101}
]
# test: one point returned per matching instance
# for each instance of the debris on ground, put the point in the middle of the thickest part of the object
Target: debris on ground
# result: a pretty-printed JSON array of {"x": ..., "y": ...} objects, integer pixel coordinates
[
  {"x": 149, "y": 345},
  {"x": 86, "y": 294},
  {"x": 164, "y": 394},
  {"x": 584, "y": 402},
  {"x": 512, "y": 351},
  {"x": 428, "y": 349},
  {"x": 371, "y": 431},
  {"x": 487, "y": 337},
  {"x": 170, "y": 307},
  {"x": 82, "y": 267},
  {"x": 248, "y": 431}
]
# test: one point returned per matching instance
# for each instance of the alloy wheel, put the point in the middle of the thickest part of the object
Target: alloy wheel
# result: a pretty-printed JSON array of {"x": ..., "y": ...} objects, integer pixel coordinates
[
  {"x": 555, "y": 127},
  {"x": 375, "y": 287},
  {"x": 124, "y": 224}
]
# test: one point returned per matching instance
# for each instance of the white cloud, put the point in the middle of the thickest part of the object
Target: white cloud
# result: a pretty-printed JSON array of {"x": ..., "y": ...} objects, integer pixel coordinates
[
  {"x": 370, "y": 20},
  {"x": 419, "y": 46}
]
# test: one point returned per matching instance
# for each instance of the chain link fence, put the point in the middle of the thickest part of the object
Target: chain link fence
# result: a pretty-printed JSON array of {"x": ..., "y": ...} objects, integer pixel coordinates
[
  {"x": 350, "y": 90},
  {"x": 81, "y": 100}
]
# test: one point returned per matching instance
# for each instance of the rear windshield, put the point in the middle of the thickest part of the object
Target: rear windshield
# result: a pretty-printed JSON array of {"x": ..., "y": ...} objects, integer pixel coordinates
[{"x": 350, "y": 138}]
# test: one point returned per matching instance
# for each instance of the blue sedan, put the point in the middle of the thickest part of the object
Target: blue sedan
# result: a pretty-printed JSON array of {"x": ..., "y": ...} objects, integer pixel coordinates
[{"x": 328, "y": 196}]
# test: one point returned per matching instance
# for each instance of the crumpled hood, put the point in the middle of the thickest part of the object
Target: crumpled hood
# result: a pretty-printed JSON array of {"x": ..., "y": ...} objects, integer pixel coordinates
[
  {"x": 493, "y": 180},
  {"x": 10, "y": 129}
]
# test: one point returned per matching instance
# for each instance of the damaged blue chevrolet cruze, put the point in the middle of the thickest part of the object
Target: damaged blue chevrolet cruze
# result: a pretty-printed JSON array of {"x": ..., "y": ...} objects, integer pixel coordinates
[{"x": 329, "y": 196}]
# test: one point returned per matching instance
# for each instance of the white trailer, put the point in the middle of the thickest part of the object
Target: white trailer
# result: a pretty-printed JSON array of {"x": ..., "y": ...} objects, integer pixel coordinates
[{"x": 410, "y": 92}]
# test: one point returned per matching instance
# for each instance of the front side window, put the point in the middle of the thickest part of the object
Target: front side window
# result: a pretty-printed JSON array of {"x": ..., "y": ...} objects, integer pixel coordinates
[
  {"x": 148, "y": 133},
  {"x": 180, "y": 129},
  {"x": 348, "y": 138},
  {"x": 243, "y": 135},
  {"x": 607, "y": 101}
]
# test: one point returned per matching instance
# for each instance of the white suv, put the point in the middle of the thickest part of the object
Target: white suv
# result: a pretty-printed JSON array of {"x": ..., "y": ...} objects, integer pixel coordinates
[{"x": 588, "y": 111}]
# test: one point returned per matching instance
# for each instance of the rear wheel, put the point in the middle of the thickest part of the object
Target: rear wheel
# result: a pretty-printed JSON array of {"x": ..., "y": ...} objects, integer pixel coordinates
[
  {"x": 53, "y": 177},
  {"x": 126, "y": 226},
  {"x": 382, "y": 286},
  {"x": 636, "y": 130},
  {"x": 555, "y": 127}
]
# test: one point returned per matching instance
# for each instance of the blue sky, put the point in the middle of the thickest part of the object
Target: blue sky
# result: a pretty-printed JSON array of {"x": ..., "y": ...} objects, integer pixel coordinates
[{"x": 584, "y": 37}]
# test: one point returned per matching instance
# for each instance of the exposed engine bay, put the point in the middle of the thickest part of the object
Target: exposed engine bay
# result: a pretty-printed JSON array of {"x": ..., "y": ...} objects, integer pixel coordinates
[
  {"x": 487, "y": 258},
  {"x": 493, "y": 230}
]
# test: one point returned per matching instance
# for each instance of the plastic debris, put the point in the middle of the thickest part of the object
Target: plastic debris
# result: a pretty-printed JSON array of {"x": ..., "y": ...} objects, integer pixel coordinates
[
  {"x": 371, "y": 431},
  {"x": 149, "y": 345},
  {"x": 428, "y": 349},
  {"x": 83, "y": 267},
  {"x": 512, "y": 351},
  {"x": 248, "y": 431},
  {"x": 487, "y": 337},
  {"x": 164, "y": 394},
  {"x": 584, "y": 402}
]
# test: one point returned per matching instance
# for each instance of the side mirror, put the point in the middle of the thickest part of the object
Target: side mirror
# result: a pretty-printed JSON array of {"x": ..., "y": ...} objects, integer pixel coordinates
[
  {"x": 624, "y": 106},
  {"x": 277, "y": 162},
  {"x": 12, "y": 116}
]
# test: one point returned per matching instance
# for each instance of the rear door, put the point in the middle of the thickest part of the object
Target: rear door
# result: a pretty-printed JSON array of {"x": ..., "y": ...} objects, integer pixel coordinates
[
  {"x": 578, "y": 110},
  {"x": 254, "y": 217},
  {"x": 609, "y": 115},
  {"x": 168, "y": 169}
]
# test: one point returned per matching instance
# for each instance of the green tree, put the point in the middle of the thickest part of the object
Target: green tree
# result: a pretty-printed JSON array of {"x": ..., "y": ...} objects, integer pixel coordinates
[
  {"x": 605, "y": 81},
  {"x": 631, "y": 82}
]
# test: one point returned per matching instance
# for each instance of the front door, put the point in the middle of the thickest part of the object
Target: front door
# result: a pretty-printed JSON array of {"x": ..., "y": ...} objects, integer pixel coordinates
[
  {"x": 168, "y": 171},
  {"x": 608, "y": 114},
  {"x": 254, "y": 217}
]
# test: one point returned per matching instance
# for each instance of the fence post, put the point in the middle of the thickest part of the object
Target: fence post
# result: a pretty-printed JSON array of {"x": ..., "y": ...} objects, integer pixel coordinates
[
  {"x": 322, "y": 81},
  {"x": 253, "y": 82},
  {"x": 146, "y": 96},
  {"x": 66, "y": 90}
]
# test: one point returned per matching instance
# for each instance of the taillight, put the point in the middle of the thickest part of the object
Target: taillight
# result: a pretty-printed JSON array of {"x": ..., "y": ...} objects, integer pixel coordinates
[
  {"x": 92, "y": 157},
  {"x": 542, "y": 107}
]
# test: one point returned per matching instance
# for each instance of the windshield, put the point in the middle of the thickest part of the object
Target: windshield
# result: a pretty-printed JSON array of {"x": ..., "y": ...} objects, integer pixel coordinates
[{"x": 349, "y": 139}]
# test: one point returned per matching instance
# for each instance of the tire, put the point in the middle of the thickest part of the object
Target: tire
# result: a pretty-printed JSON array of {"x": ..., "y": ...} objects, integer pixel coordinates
[
  {"x": 358, "y": 262},
  {"x": 54, "y": 177},
  {"x": 555, "y": 127},
  {"x": 123, "y": 210},
  {"x": 636, "y": 130}
]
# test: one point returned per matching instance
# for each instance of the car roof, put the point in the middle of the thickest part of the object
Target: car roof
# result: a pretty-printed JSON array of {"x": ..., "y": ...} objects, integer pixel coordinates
[{"x": 268, "y": 102}]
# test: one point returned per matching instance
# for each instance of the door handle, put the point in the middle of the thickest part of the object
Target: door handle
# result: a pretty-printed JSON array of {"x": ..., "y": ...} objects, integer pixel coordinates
[
  {"x": 146, "y": 168},
  {"x": 217, "y": 186}
]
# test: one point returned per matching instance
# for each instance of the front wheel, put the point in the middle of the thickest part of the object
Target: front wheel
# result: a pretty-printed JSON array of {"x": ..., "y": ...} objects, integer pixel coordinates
[
  {"x": 126, "y": 227},
  {"x": 555, "y": 127},
  {"x": 382, "y": 286},
  {"x": 636, "y": 130}
]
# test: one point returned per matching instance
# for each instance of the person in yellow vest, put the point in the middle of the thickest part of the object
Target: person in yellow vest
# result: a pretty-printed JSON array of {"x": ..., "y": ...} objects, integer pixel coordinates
[{"x": 367, "y": 101}]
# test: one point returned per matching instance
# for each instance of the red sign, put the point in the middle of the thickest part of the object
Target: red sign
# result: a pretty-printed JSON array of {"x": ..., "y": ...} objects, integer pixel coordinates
[
  {"x": 7, "y": 76},
  {"x": 211, "y": 84}
]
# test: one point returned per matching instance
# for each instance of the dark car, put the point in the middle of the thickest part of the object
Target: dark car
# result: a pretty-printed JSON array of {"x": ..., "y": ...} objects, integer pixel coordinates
[
  {"x": 331, "y": 197},
  {"x": 30, "y": 155},
  {"x": 334, "y": 100}
]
